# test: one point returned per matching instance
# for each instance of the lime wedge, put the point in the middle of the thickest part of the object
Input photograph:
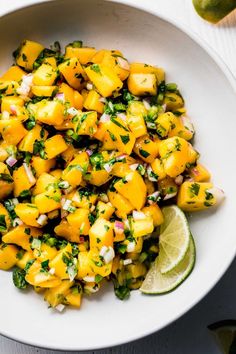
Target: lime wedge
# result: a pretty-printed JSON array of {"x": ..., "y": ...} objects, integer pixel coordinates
[
  {"x": 214, "y": 10},
  {"x": 157, "y": 283},
  {"x": 225, "y": 335},
  {"x": 174, "y": 238}
]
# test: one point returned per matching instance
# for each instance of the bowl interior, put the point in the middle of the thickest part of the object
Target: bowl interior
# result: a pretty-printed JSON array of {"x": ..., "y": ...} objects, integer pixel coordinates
[{"x": 104, "y": 320}]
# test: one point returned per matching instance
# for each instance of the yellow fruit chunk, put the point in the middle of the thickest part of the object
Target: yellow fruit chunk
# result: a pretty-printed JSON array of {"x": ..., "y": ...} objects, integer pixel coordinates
[
  {"x": 58, "y": 262},
  {"x": 101, "y": 234},
  {"x": 45, "y": 75},
  {"x": 67, "y": 231},
  {"x": 120, "y": 203},
  {"x": 5, "y": 216},
  {"x": 80, "y": 220},
  {"x": 6, "y": 181},
  {"x": 158, "y": 169},
  {"x": 175, "y": 154},
  {"x": 173, "y": 101},
  {"x": 28, "y": 213},
  {"x": 73, "y": 172},
  {"x": 118, "y": 136},
  {"x": 54, "y": 146},
  {"x": 142, "y": 84},
  {"x": 199, "y": 173},
  {"x": 142, "y": 68},
  {"x": 48, "y": 201},
  {"x": 142, "y": 227},
  {"x": 97, "y": 177},
  {"x": 27, "y": 256},
  {"x": 155, "y": 213},
  {"x": 137, "y": 270},
  {"x": 8, "y": 87},
  {"x": 74, "y": 298},
  {"x": 7, "y": 256},
  {"x": 86, "y": 123},
  {"x": 146, "y": 149},
  {"x": 37, "y": 133},
  {"x": 21, "y": 181},
  {"x": 9, "y": 101},
  {"x": 97, "y": 266},
  {"x": 45, "y": 252},
  {"x": 57, "y": 295},
  {"x": 104, "y": 210},
  {"x": 21, "y": 235},
  {"x": 78, "y": 100},
  {"x": 84, "y": 199},
  {"x": 117, "y": 62},
  {"x": 73, "y": 72},
  {"x": 12, "y": 130},
  {"x": 84, "y": 54},
  {"x": 43, "y": 91},
  {"x": 40, "y": 165},
  {"x": 14, "y": 73},
  {"x": 28, "y": 53},
  {"x": 135, "y": 118},
  {"x": 133, "y": 188},
  {"x": 36, "y": 277},
  {"x": 104, "y": 78},
  {"x": 50, "y": 112},
  {"x": 92, "y": 102},
  {"x": 193, "y": 196}
]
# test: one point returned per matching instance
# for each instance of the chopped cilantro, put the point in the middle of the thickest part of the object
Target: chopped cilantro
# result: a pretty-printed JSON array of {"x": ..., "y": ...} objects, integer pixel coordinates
[
  {"x": 144, "y": 153},
  {"x": 18, "y": 277},
  {"x": 125, "y": 139}
]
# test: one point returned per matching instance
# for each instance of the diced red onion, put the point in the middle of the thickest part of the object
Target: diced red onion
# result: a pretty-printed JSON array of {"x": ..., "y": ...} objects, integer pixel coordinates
[
  {"x": 72, "y": 111},
  {"x": 127, "y": 261},
  {"x": 64, "y": 214},
  {"x": 89, "y": 152},
  {"x": 179, "y": 180},
  {"x": 108, "y": 167},
  {"x": 11, "y": 161},
  {"x": 152, "y": 198},
  {"x": 120, "y": 158},
  {"x": 60, "y": 307},
  {"x": 17, "y": 221},
  {"x": 131, "y": 246},
  {"x": 164, "y": 107},
  {"x": 103, "y": 251},
  {"x": 187, "y": 123},
  {"x": 169, "y": 196},
  {"x": 134, "y": 166},
  {"x": 15, "y": 201},
  {"x": 119, "y": 227},
  {"x": 81, "y": 239},
  {"x": 13, "y": 109},
  {"x": 126, "y": 223},
  {"x": 151, "y": 177},
  {"x": 218, "y": 194},
  {"x": 102, "y": 99},
  {"x": 51, "y": 271},
  {"x": 66, "y": 204},
  {"x": 123, "y": 63},
  {"x": 146, "y": 104},
  {"x": 89, "y": 86},
  {"x": 103, "y": 197},
  {"x": 195, "y": 171},
  {"x": 105, "y": 118},
  {"x": 121, "y": 116},
  {"x": 42, "y": 220},
  {"x": 60, "y": 96},
  {"x": 109, "y": 255},
  {"x": 29, "y": 173},
  {"x": 89, "y": 279},
  {"x": 138, "y": 215}
]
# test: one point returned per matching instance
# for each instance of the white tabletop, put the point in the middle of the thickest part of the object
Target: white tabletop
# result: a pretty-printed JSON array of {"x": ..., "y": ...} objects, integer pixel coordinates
[{"x": 189, "y": 334}]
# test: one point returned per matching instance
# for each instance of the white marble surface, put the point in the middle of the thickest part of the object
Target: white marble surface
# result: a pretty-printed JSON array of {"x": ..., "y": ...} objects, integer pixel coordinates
[{"x": 189, "y": 334}]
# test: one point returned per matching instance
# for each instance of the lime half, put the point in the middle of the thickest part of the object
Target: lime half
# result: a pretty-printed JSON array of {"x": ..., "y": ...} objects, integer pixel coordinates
[
  {"x": 225, "y": 335},
  {"x": 158, "y": 283},
  {"x": 174, "y": 238}
]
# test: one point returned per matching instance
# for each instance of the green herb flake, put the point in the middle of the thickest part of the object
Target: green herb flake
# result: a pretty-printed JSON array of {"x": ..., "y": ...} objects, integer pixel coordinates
[
  {"x": 144, "y": 153},
  {"x": 125, "y": 139}
]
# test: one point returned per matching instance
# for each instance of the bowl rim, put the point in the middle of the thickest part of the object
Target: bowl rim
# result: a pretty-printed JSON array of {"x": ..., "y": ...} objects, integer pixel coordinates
[{"x": 232, "y": 81}]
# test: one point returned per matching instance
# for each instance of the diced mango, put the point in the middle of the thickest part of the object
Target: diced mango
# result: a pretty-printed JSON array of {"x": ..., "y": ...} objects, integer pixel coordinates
[
  {"x": 28, "y": 53},
  {"x": 11, "y": 101},
  {"x": 128, "y": 187},
  {"x": 36, "y": 277},
  {"x": 104, "y": 78},
  {"x": 7, "y": 256},
  {"x": 21, "y": 235},
  {"x": 73, "y": 172},
  {"x": 12, "y": 130},
  {"x": 101, "y": 234},
  {"x": 86, "y": 123},
  {"x": 67, "y": 231},
  {"x": 145, "y": 68},
  {"x": 40, "y": 165},
  {"x": 92, "y": 102},
  {"x": 54, "y": 146},
  {"x": 57, "y": 295},
  {"x": 43, "y": 91},
  {"x": 14, "y": 73},
  {"x": 59, "y": 265},
  {"x": 155, "y": 213},
  {"x": 142, "y": 227},
  {"x": 199, "y": 173},
  {"x": 80, "y": 220},
  {"x": 73, "y": 72},
  {"x": 84, "y": 54},
  {"x": 121, "y": 204},
  {"x": 142, "y": 84},
  {"x": 37, "y": 133},
  {"x": 50, "y": 112},
  {"x": 21, "y": 181},
  {"x": 45, "y": 75},
  {"x": 6, "y": 181},
  {"x": 135, "y": 118},
  {"x": 104, "y": 210},
  {"x": 146, "y": 148},
  {"x": 28, "y": 213}
]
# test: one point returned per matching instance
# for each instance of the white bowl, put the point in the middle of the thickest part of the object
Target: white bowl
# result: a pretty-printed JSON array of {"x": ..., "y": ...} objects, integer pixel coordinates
[{"x": 207, "y": 86}]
